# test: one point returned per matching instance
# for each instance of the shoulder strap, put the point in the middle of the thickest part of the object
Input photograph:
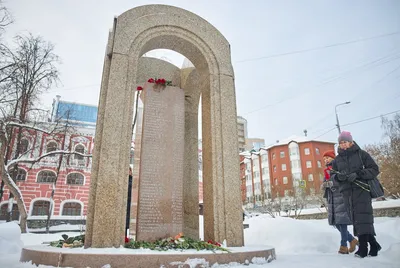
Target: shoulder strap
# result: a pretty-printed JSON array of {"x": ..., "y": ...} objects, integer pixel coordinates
[{"x": 359, "y": 155}]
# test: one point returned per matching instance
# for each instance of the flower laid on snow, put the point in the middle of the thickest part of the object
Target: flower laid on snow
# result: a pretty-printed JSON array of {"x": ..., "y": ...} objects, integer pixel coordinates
[
  {"x": 179, "y": 242},
  {"x": 69, "y": 242},
  {"x": 139, "y": 88},
  {"x": 178, "y": 236}
]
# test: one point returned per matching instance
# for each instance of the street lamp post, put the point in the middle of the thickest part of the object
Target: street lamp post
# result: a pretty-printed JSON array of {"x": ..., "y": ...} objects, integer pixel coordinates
[{"x": 337, "y": 117}]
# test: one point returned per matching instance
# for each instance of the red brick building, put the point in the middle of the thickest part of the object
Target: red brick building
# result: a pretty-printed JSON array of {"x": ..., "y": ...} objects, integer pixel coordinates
[
  {"x": 278, "y": 170},
  {"x": 36, "y": 182}
]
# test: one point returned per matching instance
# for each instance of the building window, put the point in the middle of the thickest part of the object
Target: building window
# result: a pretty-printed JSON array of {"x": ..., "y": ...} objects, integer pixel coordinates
[
  {"x": 276, "y": 181},
  {"x": 248, "y": 168},
  {"x": 264, "y": 171},
  {"x": 306, "y": 151},
  {"x": 317, "y": 150},
  {"x": 308, "y": 164},
  {"x": 248, "y": 190},
  {"x": 273, "y": 156},
  {"x": 274, "y": 168},
  {"x": 285, "y": 180},
  {"x": 72, "y": 209},
  {"x": 255, "y": 162},
  {"x": 79, "y": 149},
  {"x": 319, "y": 164},
  {"x": 51, "y": 147},
  {"x": 282, "y": 154},
  {"x": 75, "y": 179},
  {"x": 40, "y": 208},
  {"x": 256, "y": 174},
  {"x": 264, "y": 158},
  {"x": 4, "y": 213},
  {"x": 310, "y": 177},
  {"x": 321, "y": 177},
  {"x": 283, "y": 167},
  {"x": 21, "y": 176},
  {"x": 47, "y": 176},
  {"x": 293, "y": 149},
  {"x": 23, "y": 146}
]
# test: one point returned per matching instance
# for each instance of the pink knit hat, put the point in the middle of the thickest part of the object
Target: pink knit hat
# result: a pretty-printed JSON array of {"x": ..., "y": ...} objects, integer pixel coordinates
[{"x": 345, "y": 136}]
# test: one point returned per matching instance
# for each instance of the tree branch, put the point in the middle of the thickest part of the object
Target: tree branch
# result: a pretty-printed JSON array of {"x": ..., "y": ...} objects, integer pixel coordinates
[{"x": 37, "y": 159}]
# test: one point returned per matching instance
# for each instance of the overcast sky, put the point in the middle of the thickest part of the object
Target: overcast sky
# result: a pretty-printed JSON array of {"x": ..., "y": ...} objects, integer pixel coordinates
[{"x": 280, "y": 93}]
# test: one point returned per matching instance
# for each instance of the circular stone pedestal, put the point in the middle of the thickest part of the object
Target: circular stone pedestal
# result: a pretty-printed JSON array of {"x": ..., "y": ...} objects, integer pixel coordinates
[{"x": 122, "y": 257}]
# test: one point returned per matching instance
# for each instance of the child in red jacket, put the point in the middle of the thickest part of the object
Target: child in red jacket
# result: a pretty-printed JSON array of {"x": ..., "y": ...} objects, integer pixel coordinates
[{"x": 338, "y": 215}]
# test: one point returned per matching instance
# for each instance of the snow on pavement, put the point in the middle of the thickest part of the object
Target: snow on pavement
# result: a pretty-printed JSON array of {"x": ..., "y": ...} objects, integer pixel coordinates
[{"x": 298, "y": 243}]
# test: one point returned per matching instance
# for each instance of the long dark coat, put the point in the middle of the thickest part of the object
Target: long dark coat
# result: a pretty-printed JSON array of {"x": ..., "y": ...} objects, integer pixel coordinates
[
  {"x": 358, "y": 199},
  {"x": 338, "y": 212}
]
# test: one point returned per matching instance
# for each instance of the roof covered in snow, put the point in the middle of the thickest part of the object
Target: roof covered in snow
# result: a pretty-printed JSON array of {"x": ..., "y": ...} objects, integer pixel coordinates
[{"x": 298, "y": 139}]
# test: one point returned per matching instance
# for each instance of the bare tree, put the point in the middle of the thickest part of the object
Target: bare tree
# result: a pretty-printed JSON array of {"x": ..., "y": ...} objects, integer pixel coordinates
[
  {"x": 6, "y": 169},
  {"x": 268, "y": 207},
  {"x": 297, "y": 200},
  {"x": 276, "y": 199},
  {"x": 7, "y": 67},
  {"x": 387, "y": 155},
  {"x": 5, "y": 18},
  {"x": 33, "y": 72}
]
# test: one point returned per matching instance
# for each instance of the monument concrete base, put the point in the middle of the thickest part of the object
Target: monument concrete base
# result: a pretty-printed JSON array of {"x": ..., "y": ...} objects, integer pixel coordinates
[{"x": 122, "y": 257}]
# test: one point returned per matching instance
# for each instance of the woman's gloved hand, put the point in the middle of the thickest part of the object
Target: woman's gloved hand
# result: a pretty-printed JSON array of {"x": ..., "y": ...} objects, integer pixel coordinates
[
  {"x": 352, "y": 177},
  {"x": 342, "y": 177}
]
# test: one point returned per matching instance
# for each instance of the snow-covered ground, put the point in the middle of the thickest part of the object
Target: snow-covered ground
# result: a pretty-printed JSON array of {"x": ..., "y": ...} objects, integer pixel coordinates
[{"x": 298, "y": 243}]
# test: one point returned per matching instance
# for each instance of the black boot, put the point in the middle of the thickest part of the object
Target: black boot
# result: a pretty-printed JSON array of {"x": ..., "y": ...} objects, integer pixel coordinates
[
  {"x": 374, "y": 246},
  {"x": 363, "y": 246}
]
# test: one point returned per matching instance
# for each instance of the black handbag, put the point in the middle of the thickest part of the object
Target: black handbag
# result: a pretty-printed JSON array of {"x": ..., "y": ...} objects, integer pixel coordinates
[{"x": 375, "y": 187}]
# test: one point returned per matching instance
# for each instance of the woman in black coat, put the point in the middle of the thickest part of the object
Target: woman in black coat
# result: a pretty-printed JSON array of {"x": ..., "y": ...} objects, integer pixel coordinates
[
  {"x": 356, "y": 167},
  {"x": 338, "y": 213}
]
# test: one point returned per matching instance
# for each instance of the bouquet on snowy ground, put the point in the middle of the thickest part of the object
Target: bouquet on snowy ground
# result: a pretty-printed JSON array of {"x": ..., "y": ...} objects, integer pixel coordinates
[
  {"x": 179, "y": 242},
  {"x": 69, "y": 242}
]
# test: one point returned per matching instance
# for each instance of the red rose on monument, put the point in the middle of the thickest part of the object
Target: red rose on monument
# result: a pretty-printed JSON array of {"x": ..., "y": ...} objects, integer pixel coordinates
[
  {"x": 151, "y": 80},
  {"x": 139, "y": 88},
  {"x": 163, "y": 81},
  {"x": 126, "y": 239},
  {"x": 158, "y": 81}
]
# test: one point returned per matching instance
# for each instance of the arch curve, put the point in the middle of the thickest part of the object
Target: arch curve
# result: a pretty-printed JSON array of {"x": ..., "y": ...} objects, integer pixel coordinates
[{"x": 168, "y": 23}]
